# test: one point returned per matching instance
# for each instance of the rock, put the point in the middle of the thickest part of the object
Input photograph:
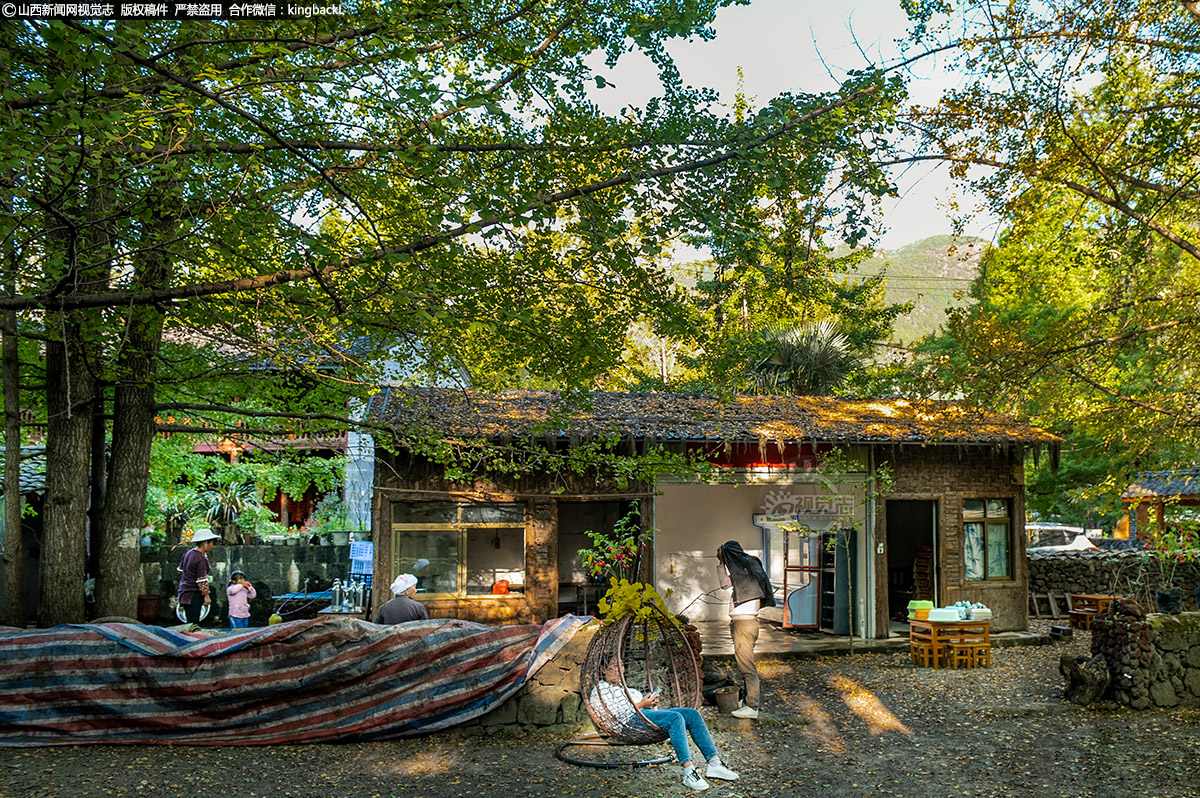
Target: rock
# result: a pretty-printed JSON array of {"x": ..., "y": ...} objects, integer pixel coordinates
[
  {"x": 1087, "y": 679},
  {"x": 1163, "y": 694},
  {"x": 502, "y": 715},
  {"x": 539, "y": 706},
  {"x": 1192, "y": 681},
  {"x": 572, "y": 709}
]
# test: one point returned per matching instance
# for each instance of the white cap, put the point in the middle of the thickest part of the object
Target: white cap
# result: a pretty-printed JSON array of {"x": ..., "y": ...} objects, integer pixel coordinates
[
  {"x": 403, "y": 583},
  {"x": 201, "y": 535}
]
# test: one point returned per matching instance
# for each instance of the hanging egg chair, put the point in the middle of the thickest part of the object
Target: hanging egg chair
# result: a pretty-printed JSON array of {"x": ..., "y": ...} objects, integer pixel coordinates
[{"x": 656, "y": 655}]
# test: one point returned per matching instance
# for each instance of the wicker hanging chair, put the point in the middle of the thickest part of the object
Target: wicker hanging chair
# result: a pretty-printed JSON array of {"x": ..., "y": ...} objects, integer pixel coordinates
[{"x": 656, "y": 654}]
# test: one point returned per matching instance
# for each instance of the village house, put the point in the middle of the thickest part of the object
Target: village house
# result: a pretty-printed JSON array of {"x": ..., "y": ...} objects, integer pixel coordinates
[{"x": 846, "y": 552}]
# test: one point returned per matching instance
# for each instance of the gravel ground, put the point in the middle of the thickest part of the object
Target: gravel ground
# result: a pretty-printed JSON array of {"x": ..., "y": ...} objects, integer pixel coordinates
[{"x": 861, "y": 725}]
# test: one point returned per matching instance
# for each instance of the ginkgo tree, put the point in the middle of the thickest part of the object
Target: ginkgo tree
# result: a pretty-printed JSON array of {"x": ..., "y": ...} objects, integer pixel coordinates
[
  {"x": 1079, "y": 123},
  {"x": 338, "y": 195}
]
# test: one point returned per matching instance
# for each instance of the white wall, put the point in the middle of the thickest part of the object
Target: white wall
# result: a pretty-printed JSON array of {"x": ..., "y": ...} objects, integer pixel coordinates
[{"x": 692, "y": 520}]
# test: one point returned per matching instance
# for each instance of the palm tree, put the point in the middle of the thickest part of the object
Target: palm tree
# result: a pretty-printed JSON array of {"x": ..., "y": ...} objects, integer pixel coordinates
[{"x": 807, "y": 361}]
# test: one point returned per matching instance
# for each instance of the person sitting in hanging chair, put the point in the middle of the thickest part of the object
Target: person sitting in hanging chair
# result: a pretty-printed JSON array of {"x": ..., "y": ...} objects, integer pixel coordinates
[{"x": 630, "y": 706}]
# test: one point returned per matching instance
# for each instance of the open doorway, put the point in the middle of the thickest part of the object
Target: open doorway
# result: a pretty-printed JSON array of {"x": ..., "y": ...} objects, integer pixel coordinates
[
  {"x": 576, "y": 594},
  {"x": 912, "y": 557}
]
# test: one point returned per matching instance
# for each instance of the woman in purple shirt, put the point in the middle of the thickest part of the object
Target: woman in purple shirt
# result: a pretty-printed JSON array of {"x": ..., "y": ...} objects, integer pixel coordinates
[{"x": 193, "y": 584}]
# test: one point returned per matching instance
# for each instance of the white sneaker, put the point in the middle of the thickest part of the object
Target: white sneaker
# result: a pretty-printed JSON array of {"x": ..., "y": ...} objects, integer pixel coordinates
[
  {"x": 720, "y": 772},
  {"x": 694, "y": 781},
  {"x": 745, "y": 712}
]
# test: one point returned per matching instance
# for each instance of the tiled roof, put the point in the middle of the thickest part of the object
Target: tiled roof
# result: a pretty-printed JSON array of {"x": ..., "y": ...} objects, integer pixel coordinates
[
  {"x": 33, "y": 469},
  {"x": 695, "y": 417},
  {"x": 1153, "y": 484}
]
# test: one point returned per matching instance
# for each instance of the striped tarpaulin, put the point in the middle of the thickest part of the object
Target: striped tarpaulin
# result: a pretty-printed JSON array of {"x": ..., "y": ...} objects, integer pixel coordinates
[{"x": 303, "y": 681}]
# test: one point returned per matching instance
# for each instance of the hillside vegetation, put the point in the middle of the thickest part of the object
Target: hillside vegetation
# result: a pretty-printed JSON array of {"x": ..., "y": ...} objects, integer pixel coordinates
[{"x": 933, "y": 273}]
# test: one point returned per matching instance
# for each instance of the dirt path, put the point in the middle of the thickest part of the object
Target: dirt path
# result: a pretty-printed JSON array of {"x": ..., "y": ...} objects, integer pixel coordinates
[{"x": 864, "y": 725}]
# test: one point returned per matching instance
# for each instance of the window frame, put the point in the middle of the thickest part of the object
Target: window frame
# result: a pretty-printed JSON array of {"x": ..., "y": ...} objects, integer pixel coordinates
[
  {"x": 987, "y": 521},
  {"x": 463, "y": 529}
]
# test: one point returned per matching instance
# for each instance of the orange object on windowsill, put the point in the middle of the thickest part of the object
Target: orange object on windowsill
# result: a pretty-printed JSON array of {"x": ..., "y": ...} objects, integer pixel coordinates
[{"x": 501, "y": 587}]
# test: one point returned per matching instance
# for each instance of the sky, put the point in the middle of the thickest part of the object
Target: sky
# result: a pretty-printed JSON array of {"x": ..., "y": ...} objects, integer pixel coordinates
[{"x": 780, "y": 46}]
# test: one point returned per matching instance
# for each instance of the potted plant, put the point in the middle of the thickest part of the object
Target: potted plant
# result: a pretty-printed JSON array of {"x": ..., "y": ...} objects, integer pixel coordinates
[
  {"x": 329, "y": 520},
  {"x": 615, "y": 555},
  {"x": 1169, "y": 544}
]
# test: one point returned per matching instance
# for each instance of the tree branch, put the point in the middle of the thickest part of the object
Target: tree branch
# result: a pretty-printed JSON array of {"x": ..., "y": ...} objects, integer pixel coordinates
[{"x": 261, "y": 282}]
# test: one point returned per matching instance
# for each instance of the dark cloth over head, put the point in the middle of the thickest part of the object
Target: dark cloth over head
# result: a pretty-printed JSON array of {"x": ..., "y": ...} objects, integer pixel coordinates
[{"x": 747, "y": 575}]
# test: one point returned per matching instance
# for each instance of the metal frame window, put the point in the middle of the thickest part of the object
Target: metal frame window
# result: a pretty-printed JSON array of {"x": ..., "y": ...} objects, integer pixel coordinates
[
  {"x": 469, "y": 547},
  {"x": 987, "y": 539}
]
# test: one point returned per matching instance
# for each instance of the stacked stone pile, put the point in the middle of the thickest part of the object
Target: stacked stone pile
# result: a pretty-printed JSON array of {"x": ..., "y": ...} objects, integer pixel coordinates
[
  {"x": 1175, "y": 664},
  {"x": 1153, "y": 660},
  {"x": 1082, "y": 571},
  {"x": 1121, "y": 636}
]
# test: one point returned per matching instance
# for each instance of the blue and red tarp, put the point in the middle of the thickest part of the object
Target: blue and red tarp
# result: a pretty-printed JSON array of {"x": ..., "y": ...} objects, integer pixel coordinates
[{"x": 305, "y": 681}]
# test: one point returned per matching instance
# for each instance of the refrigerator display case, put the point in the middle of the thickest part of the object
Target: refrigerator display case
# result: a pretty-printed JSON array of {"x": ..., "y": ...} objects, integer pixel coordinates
[{"x": 801, "y": 578}]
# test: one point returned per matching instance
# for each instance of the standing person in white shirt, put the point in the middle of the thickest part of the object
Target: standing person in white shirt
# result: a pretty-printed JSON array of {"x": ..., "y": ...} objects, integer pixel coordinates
[{"x": 751, "y": 592}]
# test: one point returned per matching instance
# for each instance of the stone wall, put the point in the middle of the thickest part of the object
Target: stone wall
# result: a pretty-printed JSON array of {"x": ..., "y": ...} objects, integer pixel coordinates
[
  {"x": 1123, "y": 573},
  {"x": 549, "y": 701},
  {"x": 271, "y": 569},
  {"x": 1153, "y": 660}
]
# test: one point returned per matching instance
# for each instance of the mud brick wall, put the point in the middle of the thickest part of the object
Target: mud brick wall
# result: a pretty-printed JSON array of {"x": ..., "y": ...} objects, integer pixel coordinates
[
  {"x": 1154, "y": 660},
  {"x": 948, "y": 475}
]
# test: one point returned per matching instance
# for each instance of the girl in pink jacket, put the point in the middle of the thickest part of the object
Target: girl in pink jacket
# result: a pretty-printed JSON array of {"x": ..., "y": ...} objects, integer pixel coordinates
[{"x": 240, "y": 591}]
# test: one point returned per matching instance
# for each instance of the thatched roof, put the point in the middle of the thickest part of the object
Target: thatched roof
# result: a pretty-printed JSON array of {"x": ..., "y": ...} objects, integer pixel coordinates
[{"x": 695, "y": 417}]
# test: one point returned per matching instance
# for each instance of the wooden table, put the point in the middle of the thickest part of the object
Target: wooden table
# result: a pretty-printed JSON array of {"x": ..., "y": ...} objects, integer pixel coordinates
[
  {"x": 1086, "y": 605},
  {"x": 950, "y": 644}
]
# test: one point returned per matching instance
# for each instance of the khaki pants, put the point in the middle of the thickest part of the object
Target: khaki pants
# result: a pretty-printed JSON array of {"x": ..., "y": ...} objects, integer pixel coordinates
[{"x": 745, "y": 635}]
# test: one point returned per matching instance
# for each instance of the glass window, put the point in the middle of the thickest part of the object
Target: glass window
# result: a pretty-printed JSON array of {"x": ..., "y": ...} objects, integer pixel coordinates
[
  {"x": 440, "y": 548},
  {"x": 986, "y": 539},
  {"x": 495, "y": 554},
  {"x": 459, "y": 549},
  {"x": 997, "y": 551},
  {"x": 973, "y": 550}
]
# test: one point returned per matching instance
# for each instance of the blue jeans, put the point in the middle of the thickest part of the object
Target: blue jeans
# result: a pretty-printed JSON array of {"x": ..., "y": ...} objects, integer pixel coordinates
[
  {"x": 238, "y": 623},
  {"x": 679, "y": 722}
]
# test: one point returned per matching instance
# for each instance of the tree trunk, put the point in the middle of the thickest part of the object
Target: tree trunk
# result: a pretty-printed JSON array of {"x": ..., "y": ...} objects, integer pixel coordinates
[
  {"x": 10, "y": 365},
  {"x": 99, "y": 480},
  {"x": 118, "y": 582},
  {"x": 1087, "y": 679},
  {"x": 14, "y": 579},
  {"x": 69, "y": 385},
  {"x": 73, "y": 353}
]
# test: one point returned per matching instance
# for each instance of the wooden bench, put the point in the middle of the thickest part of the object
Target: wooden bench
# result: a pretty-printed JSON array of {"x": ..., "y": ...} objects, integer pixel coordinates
[{"x": 972, "y": 654}]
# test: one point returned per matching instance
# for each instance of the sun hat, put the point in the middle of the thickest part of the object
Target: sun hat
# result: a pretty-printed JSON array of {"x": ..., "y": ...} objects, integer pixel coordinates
[
  {"x": 202, "y": 535},
  {"x": 403, "y": 582}
]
